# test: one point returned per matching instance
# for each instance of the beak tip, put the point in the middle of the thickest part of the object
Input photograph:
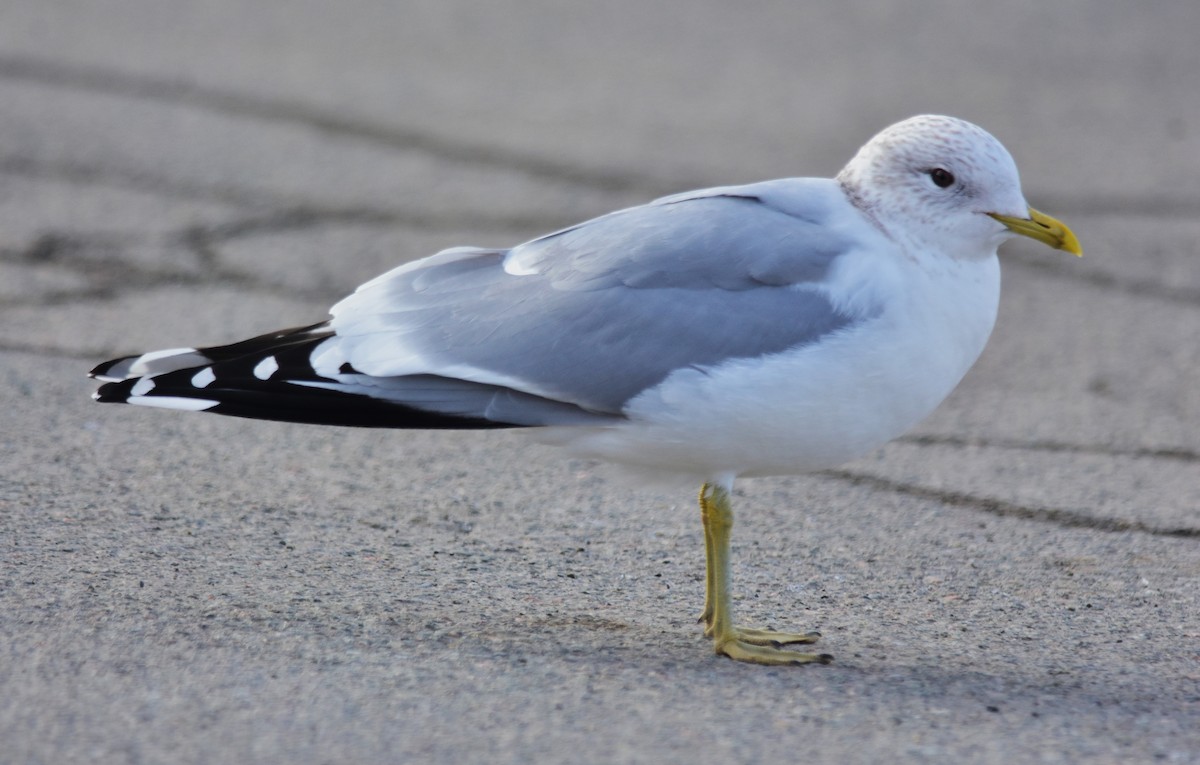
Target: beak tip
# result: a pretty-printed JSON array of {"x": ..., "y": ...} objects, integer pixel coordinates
[{"x": 1070, "y": 243}]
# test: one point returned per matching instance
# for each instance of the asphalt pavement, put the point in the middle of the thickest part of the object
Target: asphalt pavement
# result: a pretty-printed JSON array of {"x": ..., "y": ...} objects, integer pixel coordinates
[{"x": 1018, "y": 580}]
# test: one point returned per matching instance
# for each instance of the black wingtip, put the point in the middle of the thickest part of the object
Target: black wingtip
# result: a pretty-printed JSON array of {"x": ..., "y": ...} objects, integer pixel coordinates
[{"x": 113, "y": 392}]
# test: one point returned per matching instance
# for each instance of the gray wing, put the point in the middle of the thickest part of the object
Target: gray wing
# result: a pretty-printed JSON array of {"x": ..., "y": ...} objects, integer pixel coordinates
[{"x": 595, "y": 314}]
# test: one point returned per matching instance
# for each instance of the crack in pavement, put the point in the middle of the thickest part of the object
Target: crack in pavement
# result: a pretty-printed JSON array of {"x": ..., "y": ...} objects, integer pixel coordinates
[
  {"x": 106, "y": 276},
  {"x": 1168, "y": 453},
  {"x": 277, "y": 212},
  {"x": 96, "y": 79},
  {"x": 111, "y": 276},
  {"x": 1189, "y": 296},
  {"x": 1003, "y": 509},
  {"x": 140, "y": 181}
]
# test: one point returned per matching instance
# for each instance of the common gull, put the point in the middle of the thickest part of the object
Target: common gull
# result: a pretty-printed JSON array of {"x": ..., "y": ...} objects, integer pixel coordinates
[{"x": 771, "y": 328}]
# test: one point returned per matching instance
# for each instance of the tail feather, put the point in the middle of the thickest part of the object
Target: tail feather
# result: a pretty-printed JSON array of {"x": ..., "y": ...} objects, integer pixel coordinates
[{"x": 268, "y": 377}]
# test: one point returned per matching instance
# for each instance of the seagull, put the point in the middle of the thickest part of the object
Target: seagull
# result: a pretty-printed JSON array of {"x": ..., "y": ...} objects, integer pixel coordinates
[{"x": 773, "y": 328}]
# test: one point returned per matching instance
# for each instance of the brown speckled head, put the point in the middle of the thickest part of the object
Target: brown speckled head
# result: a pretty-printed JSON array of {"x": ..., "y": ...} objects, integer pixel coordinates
[{"x": 930, "y": 181}]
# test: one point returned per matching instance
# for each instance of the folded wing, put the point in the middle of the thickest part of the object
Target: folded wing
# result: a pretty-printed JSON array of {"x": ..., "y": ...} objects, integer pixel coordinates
[{"x": 563, "y": 330}]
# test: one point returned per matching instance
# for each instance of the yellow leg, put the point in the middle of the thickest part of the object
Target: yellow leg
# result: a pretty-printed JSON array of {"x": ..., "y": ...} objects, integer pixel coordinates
[
  {"x": 706, "y": 617},
  {"x": 752, "y": 645}
]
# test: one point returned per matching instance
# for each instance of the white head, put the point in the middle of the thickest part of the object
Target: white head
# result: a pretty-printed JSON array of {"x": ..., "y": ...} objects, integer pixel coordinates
[{"x": 944, "y": 184}]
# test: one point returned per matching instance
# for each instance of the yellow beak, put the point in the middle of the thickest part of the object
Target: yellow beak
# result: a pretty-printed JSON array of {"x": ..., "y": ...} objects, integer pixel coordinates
[{"x": 1043, "y": 228}]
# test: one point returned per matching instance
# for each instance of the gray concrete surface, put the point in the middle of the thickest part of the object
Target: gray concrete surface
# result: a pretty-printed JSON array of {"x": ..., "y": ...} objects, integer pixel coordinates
[{"x": 1018, "y": 581}]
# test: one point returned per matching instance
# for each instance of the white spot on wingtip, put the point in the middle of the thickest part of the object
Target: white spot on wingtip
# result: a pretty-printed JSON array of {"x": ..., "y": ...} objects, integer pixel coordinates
[
  {"x": 174, "y": 402},
  {"x": 142, "y": 387},
  {"x": 204, "y": 378},
  {"x": 265, "y": 368}
]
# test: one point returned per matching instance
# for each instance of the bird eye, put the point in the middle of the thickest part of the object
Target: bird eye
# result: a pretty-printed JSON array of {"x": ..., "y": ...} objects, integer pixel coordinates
[{"x": 941, "y": 177}]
